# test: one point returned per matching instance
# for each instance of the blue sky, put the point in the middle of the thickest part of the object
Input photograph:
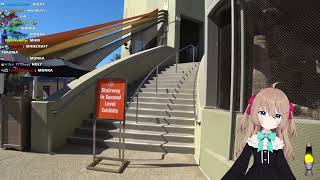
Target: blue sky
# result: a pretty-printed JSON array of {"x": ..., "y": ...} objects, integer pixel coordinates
[{"x": 66, "y": 15}]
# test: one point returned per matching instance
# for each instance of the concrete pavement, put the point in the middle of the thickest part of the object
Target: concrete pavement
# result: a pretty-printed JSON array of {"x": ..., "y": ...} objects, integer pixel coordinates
[{"x": 69, "y": 163}]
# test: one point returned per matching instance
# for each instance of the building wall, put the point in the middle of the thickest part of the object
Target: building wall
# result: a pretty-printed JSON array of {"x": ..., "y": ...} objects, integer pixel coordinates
[
  {"x": 187, "y": 8},
  {"x": 138, "y": 7},
  {"x": 212, "y": 136},
  {"x": 192, "y": 10},
  {"x": 215, "y": 142}
]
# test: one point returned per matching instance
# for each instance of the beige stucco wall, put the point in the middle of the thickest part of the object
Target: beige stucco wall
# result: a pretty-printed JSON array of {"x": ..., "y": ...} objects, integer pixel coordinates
[
  {"x": 138, "y": 7},
  {"x": 200, "y": 103},
  {"x": 212, "y": 136},
  {"x": 52, "y": 121},
  {"x": 215, "y": 142},
  {"x": 176, "y": 8}
]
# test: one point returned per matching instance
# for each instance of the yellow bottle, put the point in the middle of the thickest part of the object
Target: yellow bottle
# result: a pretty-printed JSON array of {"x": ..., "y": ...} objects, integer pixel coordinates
[{"x": 308, "y": 160}]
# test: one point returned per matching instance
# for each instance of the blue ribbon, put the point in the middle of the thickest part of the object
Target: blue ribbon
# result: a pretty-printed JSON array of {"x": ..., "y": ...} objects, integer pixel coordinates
[{"x": 270, "y": 136}]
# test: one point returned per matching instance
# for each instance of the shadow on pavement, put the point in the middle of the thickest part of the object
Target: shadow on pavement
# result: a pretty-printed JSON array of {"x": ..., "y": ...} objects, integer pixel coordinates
[{"x": 161, "y": 165}]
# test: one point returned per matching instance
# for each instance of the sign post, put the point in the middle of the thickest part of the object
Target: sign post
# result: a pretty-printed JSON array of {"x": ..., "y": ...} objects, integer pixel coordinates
[{"x": 110, "y": 106}]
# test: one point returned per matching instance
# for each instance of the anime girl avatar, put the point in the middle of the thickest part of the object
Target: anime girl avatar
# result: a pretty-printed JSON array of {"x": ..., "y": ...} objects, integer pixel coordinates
[{"x": 270, "y": 125}]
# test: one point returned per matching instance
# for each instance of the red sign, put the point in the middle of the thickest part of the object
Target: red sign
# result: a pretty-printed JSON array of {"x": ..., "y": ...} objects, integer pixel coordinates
[{"x": 111, "y": 95}]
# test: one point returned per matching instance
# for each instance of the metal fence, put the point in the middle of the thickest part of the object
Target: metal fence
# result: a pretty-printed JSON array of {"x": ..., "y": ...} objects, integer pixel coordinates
[
  {"x": 282, "y": 44},
  {"x": 279, "y": 41}
]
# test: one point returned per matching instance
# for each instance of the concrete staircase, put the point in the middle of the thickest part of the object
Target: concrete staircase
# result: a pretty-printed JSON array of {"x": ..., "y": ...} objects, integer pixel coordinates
[{"x": 165, "y": 118}]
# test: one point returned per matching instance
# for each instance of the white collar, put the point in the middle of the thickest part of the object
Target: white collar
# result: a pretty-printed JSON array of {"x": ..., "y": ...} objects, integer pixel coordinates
[
  {"x": 277, "y": 143},
  {"x": 263, "y": 131}
]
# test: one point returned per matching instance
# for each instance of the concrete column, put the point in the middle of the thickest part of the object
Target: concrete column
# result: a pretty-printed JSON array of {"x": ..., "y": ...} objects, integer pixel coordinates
[
  {"x": 177, "y": 36},
  {"x": 35, "y": 87},
  {"x": 171, "y": 27}
]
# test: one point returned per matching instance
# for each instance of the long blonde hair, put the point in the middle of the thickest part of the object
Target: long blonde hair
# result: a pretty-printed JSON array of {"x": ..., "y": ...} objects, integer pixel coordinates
[{"x": 271, "y": 100}]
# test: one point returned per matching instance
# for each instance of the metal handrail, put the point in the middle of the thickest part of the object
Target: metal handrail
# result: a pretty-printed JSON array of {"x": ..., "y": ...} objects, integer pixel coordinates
[
  {"x": 194, "y": 89},
  {"x": 136, "y": 93}
]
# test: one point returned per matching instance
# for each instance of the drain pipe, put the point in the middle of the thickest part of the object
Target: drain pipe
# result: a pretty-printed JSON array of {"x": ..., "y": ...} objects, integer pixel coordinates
[
  {"x": 232, "y": 89},
  {"x": 242, "y": 63}
]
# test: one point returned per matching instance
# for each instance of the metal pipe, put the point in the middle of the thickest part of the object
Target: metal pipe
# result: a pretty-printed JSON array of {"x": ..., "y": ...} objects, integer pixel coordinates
[
  {"x": 242, "y": 84},
  {"x": 157, "y": 79},
  {"x": 176, "y": 62},
  {"x": 232, "y": 84},
  {"x": 123, "y": 139},
  {"x": 120, "y": 140},
  {"x": 137, "y": 106},
  {"x": 94, "y": 140}
]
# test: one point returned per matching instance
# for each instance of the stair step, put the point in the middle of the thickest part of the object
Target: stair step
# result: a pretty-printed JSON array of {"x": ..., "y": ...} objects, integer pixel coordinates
[
  {"x": 142, "y": 145},
  {"x": 168, "y": 90},
  {"x": 172, "y": 78},
  {"x": 165, "y": 118},
  {"x": 186, "y": 64},
  {"x": 174, "y": 75},
  {"x": 171, "y": 128},
  {"x": 164, "y": 113},
  {"x": 160, "y": 119},
  {"x": 165, "y": 100},
  {"x": 164, "y": 73},
  {"x": 163, "y": 106},
  {"x": 171, "y": 82},
  {"x": 167, "y": 95},
  {"x": 183, "y": 86},
  {"x": 135, "y": 134},
  {"x": 173, "y": 71},
  {"x": 181, "y": 66}
]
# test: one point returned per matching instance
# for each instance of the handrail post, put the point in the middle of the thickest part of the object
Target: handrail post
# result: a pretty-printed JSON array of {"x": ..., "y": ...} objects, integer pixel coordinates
[
  {"x": 177, "y": 54},
  {"x": 137, "y": 107},
  {"x": 157, "y": 79}
]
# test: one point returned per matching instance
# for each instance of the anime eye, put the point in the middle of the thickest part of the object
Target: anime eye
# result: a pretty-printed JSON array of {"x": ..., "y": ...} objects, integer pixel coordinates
[
  {"x": 263, "y": 113},
  {"x": 278, "y": 116}
]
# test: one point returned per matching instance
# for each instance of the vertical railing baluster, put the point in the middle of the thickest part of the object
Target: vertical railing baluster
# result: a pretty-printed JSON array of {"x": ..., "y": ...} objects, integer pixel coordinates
[
  {"x": 177, "y": 54},
  {"x": 157, "y": 79},
  {"x": 137, "y": 107}
]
